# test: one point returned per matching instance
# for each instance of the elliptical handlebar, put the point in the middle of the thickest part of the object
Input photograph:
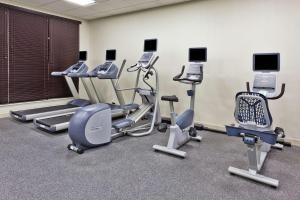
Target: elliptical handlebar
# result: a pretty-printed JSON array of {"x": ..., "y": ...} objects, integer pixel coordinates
[
  {"x": 121, "y": 69},
  {"x": 135, "y": 68},
  {"x": 146, "y": 78},
  {"x": 282, "y": 91},
  {"x": 154, "y": 61},
  {"x": 139, "y": 65}
]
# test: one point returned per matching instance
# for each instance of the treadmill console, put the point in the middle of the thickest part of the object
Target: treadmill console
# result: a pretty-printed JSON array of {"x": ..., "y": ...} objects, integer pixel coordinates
[
  {"x": 107, "y": 71},
  {"x": 79, "y": 67},
  {"x": 75, "y": 68},
  {"x": 103, "y": 69}
]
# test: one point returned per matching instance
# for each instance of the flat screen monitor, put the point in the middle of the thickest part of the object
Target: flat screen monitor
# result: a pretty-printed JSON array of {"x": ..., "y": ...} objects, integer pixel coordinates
[
  {"x": 150, "y": 45},
  {"x": 198, "y": 54},
  {"x": 111, "y": 54},
  {"x": 83, "y": 55},
  {"x": 266, "y": 62}
]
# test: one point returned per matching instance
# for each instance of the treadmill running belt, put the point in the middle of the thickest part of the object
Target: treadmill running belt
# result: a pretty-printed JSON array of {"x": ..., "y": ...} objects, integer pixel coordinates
[
  {"x": 42, "y": 110},
  {"x": 51, "y": 121}
]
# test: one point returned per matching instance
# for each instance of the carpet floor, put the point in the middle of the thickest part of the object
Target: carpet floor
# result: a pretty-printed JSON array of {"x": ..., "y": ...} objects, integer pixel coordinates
[{"x": 37, "y": 165}]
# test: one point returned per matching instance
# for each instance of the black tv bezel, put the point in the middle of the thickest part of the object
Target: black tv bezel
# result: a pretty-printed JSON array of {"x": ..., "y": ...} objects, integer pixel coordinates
[
  {"x": 110, "y": 50},
  {"x": 197, "y": 48},
  {"x": 151, "y": 40},
  {"x": 265, "y": 54},
  {"x": 86, "y": 53}
]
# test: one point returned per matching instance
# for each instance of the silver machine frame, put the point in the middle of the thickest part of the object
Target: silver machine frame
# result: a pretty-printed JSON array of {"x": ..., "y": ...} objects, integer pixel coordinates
[
  {"x": 178, "y": 137},
  {"x": 99, "y": 130},
  {"x": 264, "y": 84},
  {"x": 45, "y": 114},
  {"x": 149, "y": 99},
  {"x": 93, "y": 95}
]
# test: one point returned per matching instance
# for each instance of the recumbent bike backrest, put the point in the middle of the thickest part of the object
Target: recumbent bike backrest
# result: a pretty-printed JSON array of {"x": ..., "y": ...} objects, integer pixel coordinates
[{"x": 252, "y": 110}]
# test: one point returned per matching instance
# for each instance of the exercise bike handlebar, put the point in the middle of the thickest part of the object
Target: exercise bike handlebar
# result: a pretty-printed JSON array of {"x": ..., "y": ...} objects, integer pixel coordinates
[
  {"x": 177, "y": 77},
  {"x": 186, "y": 79},
  {"x": 280, "y": 94},
  {"x": 282, "y": 91}
]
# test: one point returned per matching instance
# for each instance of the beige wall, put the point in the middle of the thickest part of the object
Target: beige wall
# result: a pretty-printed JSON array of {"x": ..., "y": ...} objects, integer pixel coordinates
[
  {"x": 232, "y": 30},
  {"x": 84, "y": 45}
]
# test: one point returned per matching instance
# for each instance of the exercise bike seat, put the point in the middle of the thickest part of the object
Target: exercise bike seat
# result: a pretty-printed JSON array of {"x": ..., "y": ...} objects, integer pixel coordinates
[
  {"x": 266, "y": 136},
  {"x": 253, "y": 116},
  {"x": 172, "y": 98}
]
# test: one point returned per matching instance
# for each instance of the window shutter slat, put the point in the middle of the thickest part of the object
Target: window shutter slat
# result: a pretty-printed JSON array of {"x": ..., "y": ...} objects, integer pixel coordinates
[
  {"x": 3, "y": 57},
  {"x": 63, "y": 52},
  {"x": 27, "y": 56}
]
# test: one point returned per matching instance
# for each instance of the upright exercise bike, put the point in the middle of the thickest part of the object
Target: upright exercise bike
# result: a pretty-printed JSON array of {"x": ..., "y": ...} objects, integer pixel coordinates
[
  {"x": 254, "y": 118},
  {"x": 182, "y": 128}
]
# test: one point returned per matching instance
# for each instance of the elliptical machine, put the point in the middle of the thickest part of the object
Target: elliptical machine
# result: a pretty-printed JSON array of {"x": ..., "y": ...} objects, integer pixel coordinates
[
  {"x": 182, "y": 128},
  {"x": 93, "y": 126},
  {"x": 254, "y": 118}
]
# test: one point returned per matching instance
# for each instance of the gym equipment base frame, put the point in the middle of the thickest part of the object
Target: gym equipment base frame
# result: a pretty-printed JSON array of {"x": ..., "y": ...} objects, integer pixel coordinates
[{"x": 172, "y": 149}]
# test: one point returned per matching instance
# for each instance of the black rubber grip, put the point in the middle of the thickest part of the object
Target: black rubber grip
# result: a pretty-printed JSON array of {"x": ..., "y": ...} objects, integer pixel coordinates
[{"x": 172, "y": 98}]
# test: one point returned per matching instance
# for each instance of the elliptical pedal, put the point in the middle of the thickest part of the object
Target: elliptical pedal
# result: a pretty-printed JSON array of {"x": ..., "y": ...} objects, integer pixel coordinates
[
  {"x": 162, "y": 127},
  {"x": 72, "y": 147}
]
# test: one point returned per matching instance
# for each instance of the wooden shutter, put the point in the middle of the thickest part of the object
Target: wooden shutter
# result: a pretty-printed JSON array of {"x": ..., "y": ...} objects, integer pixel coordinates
[
  {"x": 28, "y": 35},
  {"x": 63, "y": 52},
  {"x": 3, "y": 57}
]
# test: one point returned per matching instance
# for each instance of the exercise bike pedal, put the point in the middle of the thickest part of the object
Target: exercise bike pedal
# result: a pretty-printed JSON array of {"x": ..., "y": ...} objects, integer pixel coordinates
[
  {"x": 280, "y": 132},
  {"x": 162, "y": 127},
  {"x": 193, "y": 132}
]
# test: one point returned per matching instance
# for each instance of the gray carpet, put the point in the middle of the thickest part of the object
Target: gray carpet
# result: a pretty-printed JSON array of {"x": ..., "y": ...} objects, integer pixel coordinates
[{"x": 37, "y": 165}]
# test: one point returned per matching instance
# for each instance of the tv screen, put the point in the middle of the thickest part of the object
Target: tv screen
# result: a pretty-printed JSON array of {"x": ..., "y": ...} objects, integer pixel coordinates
[
  {"x": 150, "y": 45},
  {"x": 266, "y": 62},
  {"x": 83, "y": 55},
  {"x": 197, "y": 54},
  {"x": 111, "y": 54}
]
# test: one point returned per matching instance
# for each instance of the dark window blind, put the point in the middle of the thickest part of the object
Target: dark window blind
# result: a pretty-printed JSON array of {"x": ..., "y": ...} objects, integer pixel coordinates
[
  {"x": 32, "y": 45},
  {"x": 28, "y": 46},
  {"x": 63, "y": 52},
  {"x": 3, "y": 57}
]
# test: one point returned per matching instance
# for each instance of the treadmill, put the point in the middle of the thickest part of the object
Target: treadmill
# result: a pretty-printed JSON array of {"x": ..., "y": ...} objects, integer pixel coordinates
[
  {"x": 108, "y": 70},
  {"x": 30, "y": 114}
]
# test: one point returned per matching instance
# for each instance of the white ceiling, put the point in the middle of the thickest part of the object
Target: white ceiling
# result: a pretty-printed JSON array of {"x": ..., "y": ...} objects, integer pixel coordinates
[{"x": 102, "y": 8}]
